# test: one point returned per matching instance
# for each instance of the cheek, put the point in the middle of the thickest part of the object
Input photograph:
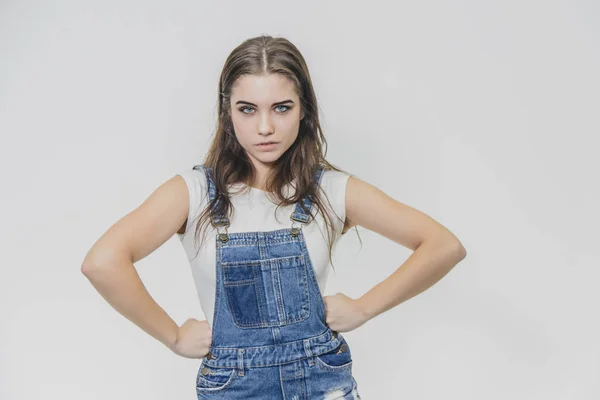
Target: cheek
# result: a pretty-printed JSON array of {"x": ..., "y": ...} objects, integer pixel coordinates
[{"x": 241, "y": 130}]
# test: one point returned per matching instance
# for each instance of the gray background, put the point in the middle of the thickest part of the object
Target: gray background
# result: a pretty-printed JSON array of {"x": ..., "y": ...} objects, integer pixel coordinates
[{"x": 484, "y": 115}]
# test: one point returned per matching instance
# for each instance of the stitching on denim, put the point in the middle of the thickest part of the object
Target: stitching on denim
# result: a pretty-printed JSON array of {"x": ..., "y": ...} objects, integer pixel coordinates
[{"x": 221, "y": 388}]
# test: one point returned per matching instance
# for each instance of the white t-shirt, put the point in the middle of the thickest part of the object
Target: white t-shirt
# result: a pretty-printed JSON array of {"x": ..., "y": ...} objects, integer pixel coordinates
[{"x": 254, "y": 212}]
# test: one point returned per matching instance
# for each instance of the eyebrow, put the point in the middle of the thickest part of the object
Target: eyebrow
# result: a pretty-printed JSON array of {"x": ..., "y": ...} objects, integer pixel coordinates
[{"x": 274, "y": 104}]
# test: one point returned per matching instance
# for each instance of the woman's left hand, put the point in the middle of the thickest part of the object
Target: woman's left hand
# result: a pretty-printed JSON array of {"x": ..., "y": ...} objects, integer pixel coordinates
[{"x": 342, "y": 313}]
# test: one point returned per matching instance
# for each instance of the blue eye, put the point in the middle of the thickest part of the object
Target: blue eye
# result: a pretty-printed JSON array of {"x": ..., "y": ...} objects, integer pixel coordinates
[{"x": 244, "y": 108}]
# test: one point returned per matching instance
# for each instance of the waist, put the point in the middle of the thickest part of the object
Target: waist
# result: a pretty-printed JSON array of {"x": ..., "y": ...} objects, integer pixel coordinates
[{"x": 275, "y": 354}]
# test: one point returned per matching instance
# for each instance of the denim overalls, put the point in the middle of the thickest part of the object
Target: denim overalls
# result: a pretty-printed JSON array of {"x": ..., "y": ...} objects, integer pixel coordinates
[{"x": 269, "y": 336}]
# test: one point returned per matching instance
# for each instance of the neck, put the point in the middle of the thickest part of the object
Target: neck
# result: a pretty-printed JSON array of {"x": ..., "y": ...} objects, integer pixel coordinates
[{"x": 260, "y": 180}]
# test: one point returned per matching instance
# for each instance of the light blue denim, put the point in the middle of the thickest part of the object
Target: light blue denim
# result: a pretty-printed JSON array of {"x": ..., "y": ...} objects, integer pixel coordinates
[{"x": 269, "y": 336}]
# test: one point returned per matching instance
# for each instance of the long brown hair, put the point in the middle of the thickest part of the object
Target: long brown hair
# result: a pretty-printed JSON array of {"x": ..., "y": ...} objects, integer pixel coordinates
[{"x": 264, "y": 55}]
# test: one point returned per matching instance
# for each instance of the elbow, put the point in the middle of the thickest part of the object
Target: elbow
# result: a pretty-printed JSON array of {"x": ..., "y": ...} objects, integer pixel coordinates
[
  {"x": 90, "y": 263},
  {"x": 94, "y": 271},
  {"x": 453, "y": 247},
  {"x": 92, "y": 266},
  {"x": 458, "y": 250},
  {"x": 88, "y": 268},
  {"x": 99, "y": 268},
  {"x": 99, "y": 261},
  {"x": 462, "y": 252}
]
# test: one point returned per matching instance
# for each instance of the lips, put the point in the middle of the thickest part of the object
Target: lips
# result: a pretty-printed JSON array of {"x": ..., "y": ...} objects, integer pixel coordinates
[{"x": 265, "y": 143}]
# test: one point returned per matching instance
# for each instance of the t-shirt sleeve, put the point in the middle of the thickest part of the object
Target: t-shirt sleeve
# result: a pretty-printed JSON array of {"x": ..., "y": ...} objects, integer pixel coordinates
[
  {"x": 334, "y": 185},
  {"x": 196, "y": 184}
]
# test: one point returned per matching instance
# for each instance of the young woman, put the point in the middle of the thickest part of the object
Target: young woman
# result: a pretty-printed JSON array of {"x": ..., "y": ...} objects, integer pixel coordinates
[{"x": 268, "y": 209}]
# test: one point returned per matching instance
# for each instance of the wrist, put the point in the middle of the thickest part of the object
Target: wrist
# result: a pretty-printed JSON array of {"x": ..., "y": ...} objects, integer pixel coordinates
[
  {"x": 365, "y": 309},
  {"x": 171, "y": 343}
]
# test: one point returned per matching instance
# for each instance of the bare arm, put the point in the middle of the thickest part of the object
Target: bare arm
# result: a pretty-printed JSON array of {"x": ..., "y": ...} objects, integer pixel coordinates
[
  {"x": 436, "y": 249},
  {"x": 109, "y": 264}
]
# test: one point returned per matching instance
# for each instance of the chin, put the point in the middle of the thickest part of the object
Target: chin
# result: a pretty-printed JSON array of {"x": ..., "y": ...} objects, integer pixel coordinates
[{"x": 267, "y": 158}]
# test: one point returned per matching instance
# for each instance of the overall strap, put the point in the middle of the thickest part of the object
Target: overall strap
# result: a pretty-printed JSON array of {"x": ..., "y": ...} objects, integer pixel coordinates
[
  {"x": 299, "y": 214},
  {"x": 220, "y": 220}
]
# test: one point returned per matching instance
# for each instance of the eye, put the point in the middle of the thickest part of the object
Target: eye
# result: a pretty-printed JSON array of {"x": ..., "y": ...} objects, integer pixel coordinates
[{"x": 280, "y": 110}]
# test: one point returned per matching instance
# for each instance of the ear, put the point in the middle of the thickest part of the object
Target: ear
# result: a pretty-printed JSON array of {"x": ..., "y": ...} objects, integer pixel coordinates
[{"x": 301, "y": 114}]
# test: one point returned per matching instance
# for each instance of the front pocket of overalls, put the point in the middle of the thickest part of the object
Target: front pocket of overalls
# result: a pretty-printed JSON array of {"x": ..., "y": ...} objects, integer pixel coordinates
[
  {"x": 264, "y": 293},
  {"x": 338, "y": 359},
  {"x": 211, "y": 379}
]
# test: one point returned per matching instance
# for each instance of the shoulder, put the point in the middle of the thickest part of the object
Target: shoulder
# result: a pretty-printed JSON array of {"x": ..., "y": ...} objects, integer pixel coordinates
[
  {"x": 195, "y": 178},
  {"x": 332, "y": 179},
  {"x": 333, "y": 184},
  {"x": 197, "y": 189}
]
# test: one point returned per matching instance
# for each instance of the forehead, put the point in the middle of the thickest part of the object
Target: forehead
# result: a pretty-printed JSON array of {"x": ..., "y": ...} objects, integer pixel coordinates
[{"x": 263, "y": 88}]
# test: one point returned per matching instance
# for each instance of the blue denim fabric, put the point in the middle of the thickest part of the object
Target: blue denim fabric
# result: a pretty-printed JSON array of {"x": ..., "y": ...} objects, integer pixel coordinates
[{"x": 269, "y": 336}]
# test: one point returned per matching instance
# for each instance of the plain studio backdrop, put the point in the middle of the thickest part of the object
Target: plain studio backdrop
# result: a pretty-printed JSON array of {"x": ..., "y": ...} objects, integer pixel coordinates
[{"x": 484, "y": 115}]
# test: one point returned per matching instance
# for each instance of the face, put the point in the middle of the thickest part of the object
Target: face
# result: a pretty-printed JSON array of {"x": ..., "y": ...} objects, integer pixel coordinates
[{"x": 265, "y": 109}]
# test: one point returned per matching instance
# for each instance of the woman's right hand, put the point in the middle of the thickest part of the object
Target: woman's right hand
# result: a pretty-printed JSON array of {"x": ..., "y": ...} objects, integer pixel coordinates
[{"x": 193, "y": 339}]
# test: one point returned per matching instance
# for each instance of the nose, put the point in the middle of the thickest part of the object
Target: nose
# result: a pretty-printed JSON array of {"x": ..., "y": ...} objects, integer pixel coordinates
[{"x": 265, "y": 125}]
